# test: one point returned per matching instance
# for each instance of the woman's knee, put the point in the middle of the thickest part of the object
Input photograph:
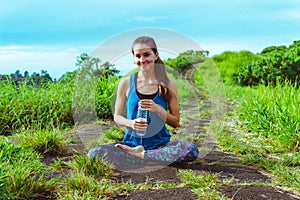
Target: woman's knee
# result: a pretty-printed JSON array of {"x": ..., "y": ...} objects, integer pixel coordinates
[{"x": 192, "y": 153}]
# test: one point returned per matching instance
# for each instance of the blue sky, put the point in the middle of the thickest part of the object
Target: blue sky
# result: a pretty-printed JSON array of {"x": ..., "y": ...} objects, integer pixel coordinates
[{"x": 48, "y": 35}]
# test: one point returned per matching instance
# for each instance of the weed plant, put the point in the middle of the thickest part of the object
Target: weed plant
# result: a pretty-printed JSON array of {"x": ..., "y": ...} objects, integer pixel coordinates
[
  {"x": 92, "y": 167},
  {"x": 22, "y": 174},
  {"x": 42, "y": 140}
]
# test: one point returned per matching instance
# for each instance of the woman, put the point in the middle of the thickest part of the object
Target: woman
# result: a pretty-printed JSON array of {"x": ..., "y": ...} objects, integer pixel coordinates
[{"x": 149, "y": 88}]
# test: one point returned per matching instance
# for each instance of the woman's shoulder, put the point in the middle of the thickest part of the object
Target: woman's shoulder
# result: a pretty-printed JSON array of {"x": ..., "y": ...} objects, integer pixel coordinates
[{"x": 124, "y": 83}]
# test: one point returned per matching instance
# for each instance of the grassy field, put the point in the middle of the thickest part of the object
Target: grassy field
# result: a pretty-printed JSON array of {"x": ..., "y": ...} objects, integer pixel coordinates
[{"x": 260, "y": 124}]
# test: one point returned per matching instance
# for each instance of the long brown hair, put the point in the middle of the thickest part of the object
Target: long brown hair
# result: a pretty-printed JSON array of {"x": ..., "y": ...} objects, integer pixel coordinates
[{"x": 159, "y": 66}]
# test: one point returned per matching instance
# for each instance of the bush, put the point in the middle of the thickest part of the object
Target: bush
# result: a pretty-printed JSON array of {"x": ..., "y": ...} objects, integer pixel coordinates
[
  {"x": 229, "y": 62},
  {"x": 104, "y": 96},
  {"x": 94, "y": 87},
  {"x": 186, "y": 59},
  {"x": 276, "y": 65}
]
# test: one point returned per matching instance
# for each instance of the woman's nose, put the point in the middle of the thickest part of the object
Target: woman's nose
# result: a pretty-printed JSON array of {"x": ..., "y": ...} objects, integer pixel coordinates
[{"x": 142, "y": 59}]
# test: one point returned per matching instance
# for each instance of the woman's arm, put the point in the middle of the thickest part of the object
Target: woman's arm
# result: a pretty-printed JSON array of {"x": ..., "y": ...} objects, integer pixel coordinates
[
  {"x": 120, "y": 103},
  {"x": 174, "y": 114},
  {"x": 136, "y": 124}
]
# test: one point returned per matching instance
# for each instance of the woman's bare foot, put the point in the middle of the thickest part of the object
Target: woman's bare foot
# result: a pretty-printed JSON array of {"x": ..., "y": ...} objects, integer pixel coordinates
[{"x": 137, "y": 151}]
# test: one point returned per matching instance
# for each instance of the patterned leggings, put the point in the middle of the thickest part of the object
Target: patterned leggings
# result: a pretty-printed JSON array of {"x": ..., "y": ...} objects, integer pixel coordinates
[{"x": 172, "y": 152}]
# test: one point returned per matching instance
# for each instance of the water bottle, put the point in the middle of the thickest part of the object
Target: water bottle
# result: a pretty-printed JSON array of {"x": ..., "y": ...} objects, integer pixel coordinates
[{"x": 142, "y": 113}]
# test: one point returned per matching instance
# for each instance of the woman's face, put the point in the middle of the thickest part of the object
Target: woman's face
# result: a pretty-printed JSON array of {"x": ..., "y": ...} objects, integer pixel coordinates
[{"x": 144, "y": 57}]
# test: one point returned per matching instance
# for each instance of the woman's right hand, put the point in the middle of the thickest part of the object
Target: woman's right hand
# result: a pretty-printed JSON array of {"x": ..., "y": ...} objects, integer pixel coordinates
[{"x": 139, "y": 124}]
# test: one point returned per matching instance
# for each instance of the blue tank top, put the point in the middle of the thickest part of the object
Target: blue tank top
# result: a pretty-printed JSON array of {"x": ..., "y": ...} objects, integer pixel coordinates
[{"x": 156, "y": 133}]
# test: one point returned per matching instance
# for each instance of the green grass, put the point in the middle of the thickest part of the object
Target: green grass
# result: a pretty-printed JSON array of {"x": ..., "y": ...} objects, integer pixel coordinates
[
  {"x": 208, "y": 78},
  {"x": 263, "y": 130},
  {"x": 113, "y": 134},
  {"x": 185, "y": 90},
  {"x": 262, "y": 124},
  {"x": 229, "y": 62},
  {"x": 42, "y": 140},
  {"x": 25, "y": 106},
  {"x": 273, "y": 114},
  {"x": 22, "y": 174},
  {"x": 89, "y": 178},
  {"x": 204, "y": 185},
  {"x": 98, "y": 169},
  {"x": 81, "y": 186}
]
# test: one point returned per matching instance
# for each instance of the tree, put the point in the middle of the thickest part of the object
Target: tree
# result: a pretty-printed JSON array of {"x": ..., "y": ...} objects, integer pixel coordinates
[
  {"x": 91, "y": 66},
  {"x": 45, "y": 76},
  {"x": 26, "y": 74}
]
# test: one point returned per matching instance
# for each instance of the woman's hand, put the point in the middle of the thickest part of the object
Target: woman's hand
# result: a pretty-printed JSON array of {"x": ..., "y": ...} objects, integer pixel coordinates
[
  {"x": 153, "y": 107},
  {"x": 150, "y": 105},
  {"x": 139, "y": 124}
]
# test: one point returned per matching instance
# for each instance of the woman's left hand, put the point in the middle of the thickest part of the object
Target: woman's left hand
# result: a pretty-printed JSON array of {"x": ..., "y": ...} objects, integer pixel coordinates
[
  {"x": 153, "y": 107},
  {"x": 150, "y": 105}
]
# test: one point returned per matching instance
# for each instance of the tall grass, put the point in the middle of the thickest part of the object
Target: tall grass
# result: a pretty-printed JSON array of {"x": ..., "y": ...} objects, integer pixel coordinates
[
  {"x": 274, "y": 114},
  {"x": 25, "y": 106},
  {"x": 98, "y": 169}
]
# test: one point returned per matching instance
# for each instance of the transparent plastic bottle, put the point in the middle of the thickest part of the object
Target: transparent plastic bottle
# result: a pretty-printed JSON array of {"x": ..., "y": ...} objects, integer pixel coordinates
[{"x": 142, "y": 113}]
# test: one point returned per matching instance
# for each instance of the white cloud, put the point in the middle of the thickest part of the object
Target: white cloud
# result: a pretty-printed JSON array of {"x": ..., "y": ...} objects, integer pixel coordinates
[{"x": 56, "y": 60}]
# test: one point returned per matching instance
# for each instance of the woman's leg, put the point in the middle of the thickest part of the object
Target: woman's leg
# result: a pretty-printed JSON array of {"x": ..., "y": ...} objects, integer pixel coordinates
[
  {"x": 175, "y": 151},
  {"x": 116, "y": 156}
]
